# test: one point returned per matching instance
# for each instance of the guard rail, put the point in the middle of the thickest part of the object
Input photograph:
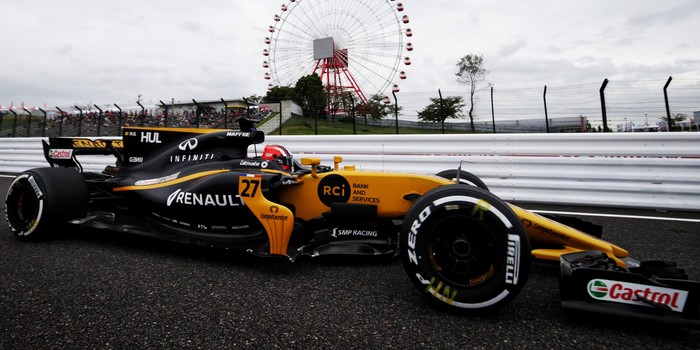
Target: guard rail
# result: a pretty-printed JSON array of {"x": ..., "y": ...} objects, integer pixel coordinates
[{"x": 635, "y": 170}]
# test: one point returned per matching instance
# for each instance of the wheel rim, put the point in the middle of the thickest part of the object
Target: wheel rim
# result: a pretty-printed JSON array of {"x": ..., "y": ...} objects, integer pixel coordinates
[
  {"x": 463, "y": 251},
  {"x": 25, "y": 208}
]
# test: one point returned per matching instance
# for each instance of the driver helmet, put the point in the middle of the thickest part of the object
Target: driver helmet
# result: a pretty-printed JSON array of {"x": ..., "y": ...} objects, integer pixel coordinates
[{"x": 278, "y": 154}]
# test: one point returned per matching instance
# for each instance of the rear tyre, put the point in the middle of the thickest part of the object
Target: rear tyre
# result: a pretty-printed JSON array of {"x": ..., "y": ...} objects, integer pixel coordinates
[
  {"x": 40, "y": 201},
  {"x": 465, "y": 249},
  {"x": 465, "y": 178}
]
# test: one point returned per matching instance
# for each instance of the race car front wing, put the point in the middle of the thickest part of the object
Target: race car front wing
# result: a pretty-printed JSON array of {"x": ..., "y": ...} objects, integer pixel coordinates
[{"x": 653, "y": 291}]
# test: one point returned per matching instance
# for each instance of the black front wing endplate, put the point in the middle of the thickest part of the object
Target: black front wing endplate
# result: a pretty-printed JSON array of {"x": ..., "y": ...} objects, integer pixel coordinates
[{"x": 654, "y": 291}]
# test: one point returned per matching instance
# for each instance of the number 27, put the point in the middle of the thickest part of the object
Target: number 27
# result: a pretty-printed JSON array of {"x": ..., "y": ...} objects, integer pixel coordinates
[{"x": 250, "y": 188}]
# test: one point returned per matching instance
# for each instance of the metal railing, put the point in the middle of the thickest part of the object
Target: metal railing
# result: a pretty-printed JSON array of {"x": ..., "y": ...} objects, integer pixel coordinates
[{"x": 637, "y": 170}]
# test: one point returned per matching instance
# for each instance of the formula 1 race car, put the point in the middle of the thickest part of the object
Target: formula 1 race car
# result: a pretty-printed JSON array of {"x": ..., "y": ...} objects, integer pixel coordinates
[{"x": 463, "y": 247}]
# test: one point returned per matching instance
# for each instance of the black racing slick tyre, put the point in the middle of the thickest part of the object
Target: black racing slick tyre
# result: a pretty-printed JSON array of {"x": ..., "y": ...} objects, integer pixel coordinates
[
  {"x": 465, "y": 178},
  {"x": 41, "y": 201},
  {"x": 465, "y": 249}
]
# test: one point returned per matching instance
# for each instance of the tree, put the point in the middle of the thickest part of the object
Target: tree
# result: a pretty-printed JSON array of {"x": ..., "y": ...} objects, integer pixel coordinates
[
  {"x": 311, "y": 96},
  {"x": 375, "y": 108},
  {"x": 254, "y": 99},
  {"x": 279, "y": 93},
  {"x": 676, "y": 119},
  {"x": 342, "y": 102},
  {"x": 438, "y": 111},
  {"x": 470, "y": 72}
]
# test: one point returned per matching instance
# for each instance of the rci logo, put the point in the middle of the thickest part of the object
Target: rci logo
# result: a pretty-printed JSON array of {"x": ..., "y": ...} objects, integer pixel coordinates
[{"x": 332, "y": 189}]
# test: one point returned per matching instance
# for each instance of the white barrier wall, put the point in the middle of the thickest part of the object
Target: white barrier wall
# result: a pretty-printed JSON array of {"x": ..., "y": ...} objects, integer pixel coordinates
[{"x": 637, "y": 170}]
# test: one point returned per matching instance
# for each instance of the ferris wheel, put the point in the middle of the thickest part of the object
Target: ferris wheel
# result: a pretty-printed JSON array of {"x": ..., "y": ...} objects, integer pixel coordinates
[{"x": 357, "y": 47}]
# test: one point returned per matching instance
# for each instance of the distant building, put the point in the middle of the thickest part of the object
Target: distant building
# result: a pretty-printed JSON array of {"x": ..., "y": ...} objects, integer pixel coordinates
[{"x": 215, "y": 105}]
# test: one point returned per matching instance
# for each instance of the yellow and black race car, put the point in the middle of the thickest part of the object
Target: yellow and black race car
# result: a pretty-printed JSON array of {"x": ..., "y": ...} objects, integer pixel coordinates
[{"x": 463, "y": 247}]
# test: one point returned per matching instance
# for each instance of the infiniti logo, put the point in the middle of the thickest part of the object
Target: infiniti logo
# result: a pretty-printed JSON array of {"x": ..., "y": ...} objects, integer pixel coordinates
[{"x": 188, "y": 144}]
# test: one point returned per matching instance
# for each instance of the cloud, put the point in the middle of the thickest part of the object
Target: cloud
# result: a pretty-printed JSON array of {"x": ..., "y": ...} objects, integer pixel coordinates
[
  {"x": 109, "y": 52},
  {"x": 512, "y": 47}
]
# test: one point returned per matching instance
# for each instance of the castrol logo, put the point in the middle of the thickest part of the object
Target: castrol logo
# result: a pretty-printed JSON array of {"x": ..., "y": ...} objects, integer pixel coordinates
[
  {"x": 637, "y": 294},
  {"x": 60, "y": 153}
]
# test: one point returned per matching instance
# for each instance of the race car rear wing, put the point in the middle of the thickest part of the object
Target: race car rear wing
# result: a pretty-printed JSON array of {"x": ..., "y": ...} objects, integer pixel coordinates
[
  {"x": 62, "y": 151},
  {"x": 154, "y": 145}
]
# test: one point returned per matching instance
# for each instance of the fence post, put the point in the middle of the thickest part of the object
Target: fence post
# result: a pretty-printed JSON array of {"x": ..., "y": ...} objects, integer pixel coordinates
[
  {"x": 196, "y": 114},
  {"x": 280, "y": 102},
  {"x": 602, "y": 105},
  {"x": 668, "y": 110},
  {"x": 99, "y": 121},
  {"x": 14, "y": 123},
  {"x": 60, "y": 122},
  {"x": 225, "y": 113},
  {"x": 143, "y": 113},
  {"x": 29, "y": 120},
  {"x": 546, "y": 116},
  {"x": 80, "y": 121},
  {"x": 43, "y": 127},
  {"x": 493, "y": 116},
  {"x": 165, "y": 110},
  {"x": 352, "y": 114},
  {"x": 396, "y": 109},
  {"x": 442, "y": 112},
  {"x": 121, "y": 121}
]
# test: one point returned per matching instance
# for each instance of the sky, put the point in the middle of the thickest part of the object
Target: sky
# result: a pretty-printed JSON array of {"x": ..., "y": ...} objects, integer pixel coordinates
[{"x": 62, "y": 53}]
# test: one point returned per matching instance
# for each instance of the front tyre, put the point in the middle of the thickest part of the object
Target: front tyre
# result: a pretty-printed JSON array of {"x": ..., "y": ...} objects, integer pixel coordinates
[
  {"x": 464, "y": 177},
  {"x": 465, "y": 249},
  {"x": 40, "y": 201}
]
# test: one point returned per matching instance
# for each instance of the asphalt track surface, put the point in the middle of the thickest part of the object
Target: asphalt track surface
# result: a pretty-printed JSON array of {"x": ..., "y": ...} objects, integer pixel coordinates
[{"x": 88, "y": 290}]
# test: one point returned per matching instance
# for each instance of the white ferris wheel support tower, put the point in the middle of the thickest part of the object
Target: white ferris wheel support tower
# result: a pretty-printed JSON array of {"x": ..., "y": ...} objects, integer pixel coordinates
[{"x": 333, "y": 66}]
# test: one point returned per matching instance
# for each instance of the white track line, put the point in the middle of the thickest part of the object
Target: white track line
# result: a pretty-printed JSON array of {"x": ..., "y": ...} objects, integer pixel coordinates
[{"x": 616, "y": 216}]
